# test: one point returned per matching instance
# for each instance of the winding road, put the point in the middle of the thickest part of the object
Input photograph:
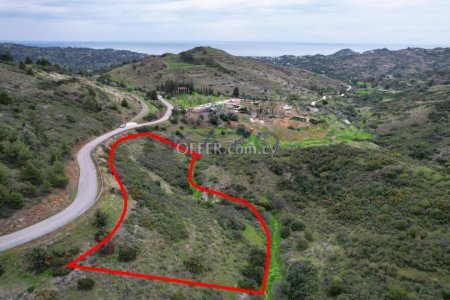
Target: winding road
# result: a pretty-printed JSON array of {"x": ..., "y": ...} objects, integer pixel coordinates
[{"x": 86, "y": 194}]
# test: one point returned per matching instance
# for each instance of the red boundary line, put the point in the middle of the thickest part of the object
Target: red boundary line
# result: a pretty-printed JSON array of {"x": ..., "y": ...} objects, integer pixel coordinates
[{"x": 195, "y": 156}]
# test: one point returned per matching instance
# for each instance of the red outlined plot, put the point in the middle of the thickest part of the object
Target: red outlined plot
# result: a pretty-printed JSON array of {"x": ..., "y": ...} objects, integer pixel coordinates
[{"x": 195, "y": 156}]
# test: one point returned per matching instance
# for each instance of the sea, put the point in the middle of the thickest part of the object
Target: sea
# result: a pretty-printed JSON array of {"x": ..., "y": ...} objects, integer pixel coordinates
[{"x": 235, "y": 48}]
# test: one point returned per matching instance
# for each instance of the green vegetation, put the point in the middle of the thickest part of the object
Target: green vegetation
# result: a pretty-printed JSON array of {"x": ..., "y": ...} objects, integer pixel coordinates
[
  {"x": 187, "y": 101},
  {"x": 86, "y": 284},
  {"x": 127, "y": 253},
  {"x": 41, "y": 125},
  {"x": 361, "y": 215},
  {"x": 276, "y": 264}
]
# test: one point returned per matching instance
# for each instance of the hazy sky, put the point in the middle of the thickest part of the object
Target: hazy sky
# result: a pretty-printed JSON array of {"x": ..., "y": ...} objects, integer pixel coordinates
[{"x": 347, "y": 21}]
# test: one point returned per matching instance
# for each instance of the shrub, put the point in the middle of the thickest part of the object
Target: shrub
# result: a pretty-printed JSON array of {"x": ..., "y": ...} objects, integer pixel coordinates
[
  {"x": 85, "y": 284},
  {"x": 124, "y": 103},
  {"x": 194, "y": 265},
  {"x": 100, "y": 219},
  {"x": 285, "y": 232},
  {"x": 302, "y": 245},
  {"x": 309, "y": 236},
  {"x": 213, "y": 119},
  {"x": 445, "y": 293},
  {"x": 302, "y": 280},
  {"x": 253, "y": 270},
  {"x": 152, "y": 95},
  {"x": 15, "y": 200},
  {"x": 46, "y": 295},
  {"x": 39, "y": 259},
  {"x": 31, "y": 173},
  {"x": 5, "y": 98},
  {"x": 1, "y": 270},
  {"x": 297, "y": 226},
  {"x": 396, "y": 292},
  {"x": 336, "y": 287},
  {"x": 100, "y": 235},
  {"x": 127, "y": 253},
  {"x": 107, "y": 249}
]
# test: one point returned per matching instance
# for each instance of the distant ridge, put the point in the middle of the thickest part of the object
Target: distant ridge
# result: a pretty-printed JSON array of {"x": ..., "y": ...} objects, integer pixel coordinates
[{"x": 77, "y": 59}]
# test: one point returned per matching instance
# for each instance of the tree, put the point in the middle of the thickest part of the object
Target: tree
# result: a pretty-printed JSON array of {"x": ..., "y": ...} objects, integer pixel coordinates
[
  {"x": 28, "y": 61},
  {"x": 152, "y": 95},
  {"x": 236, "y": 92},
  {"x": 124, "y": 103},
  {"x": 22, "y": 65},
  {"x": 1, "y": 270},
  {"x": 302, "y": 280},
  {"x": 31, "y": 173}
]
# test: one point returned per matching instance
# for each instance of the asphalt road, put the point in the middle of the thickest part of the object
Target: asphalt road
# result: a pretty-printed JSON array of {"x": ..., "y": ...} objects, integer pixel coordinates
[{"x": 86, "y": 195}]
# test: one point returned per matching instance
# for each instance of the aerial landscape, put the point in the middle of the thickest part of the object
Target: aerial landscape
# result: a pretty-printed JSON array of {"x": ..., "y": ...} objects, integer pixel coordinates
[{"x": 237, "y": 150}]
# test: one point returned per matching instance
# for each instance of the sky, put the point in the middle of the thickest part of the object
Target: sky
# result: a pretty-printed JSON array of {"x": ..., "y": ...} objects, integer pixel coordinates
[{"x": 421, "y": 22}]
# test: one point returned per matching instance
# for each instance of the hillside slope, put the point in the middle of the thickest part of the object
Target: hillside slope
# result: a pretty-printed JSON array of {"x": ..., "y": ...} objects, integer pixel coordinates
[
  {"x": 209, "y": 67},
  {"x": 44, "y": 115}
]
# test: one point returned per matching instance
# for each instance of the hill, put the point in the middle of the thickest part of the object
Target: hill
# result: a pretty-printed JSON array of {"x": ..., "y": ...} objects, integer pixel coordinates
[
  {"x": 44, "y": 116},
  {"x": 395, "y": 69},
  {"x": 77, "y": 59},
  {"x": 212, "y": 68}
]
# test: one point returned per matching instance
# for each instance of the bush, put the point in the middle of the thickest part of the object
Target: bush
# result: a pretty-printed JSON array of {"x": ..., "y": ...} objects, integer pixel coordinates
[
  {"x": 100, "y": 219},
  {"x": 302, "y": 245},
  {"x": 309, "y": 236},
  {"x": 302, "y": 280},
  {"x": 46, "y": 295},
  {"x": 285, "y": 232},
  {"x": 31, "y": 173},
  {"x": 39, "y": 259},
  {"x": 445, "y": 293},
  {"x": 336, "y": 287},
  {"x": 213, "y": 119},
  {"x": 396, "y": 292},
  {"x": 1, "y": 270},
  {"x": 15, "y": 200},
  {"x": 253, "y": 270},
  {"x": 194, "y": 265},
  {"x": 5, "y": 98},
  {"x": 297, "y": 226},
  {"x": 107, "y": 249},
  {"x": 100, "y": 235},
  {"x": 152, "y": 95},
  {"x": 124, "y": 103},
  {"x": 85, "y": 284},
  {"x": 150, "y": 117},
  {"x": 127, "y": 253}
]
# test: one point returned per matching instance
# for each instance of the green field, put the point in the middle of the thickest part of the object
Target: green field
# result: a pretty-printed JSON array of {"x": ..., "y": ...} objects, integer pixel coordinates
[{"x": 195, "y": 99}]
